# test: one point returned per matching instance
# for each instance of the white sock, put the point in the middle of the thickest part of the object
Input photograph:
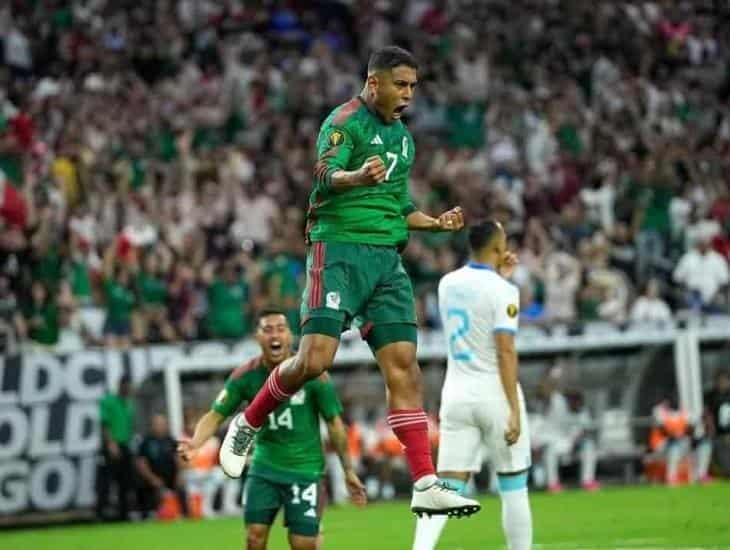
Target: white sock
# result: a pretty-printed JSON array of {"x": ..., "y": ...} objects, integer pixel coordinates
[
  {"x": 588, "y": 462},
  {"x": 425, "y": 482},
  {"x": 674, "y": 456},
  {"x": 703, "y": 455},
  {"x": 551, "y": 465},
  {"x": 428, "y": 532},
  {"x": 516, "y": 519}
]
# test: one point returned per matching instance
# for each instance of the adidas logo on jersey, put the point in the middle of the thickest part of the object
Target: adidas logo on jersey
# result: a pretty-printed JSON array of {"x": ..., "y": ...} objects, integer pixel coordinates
[{"x": 377, "y": 140}]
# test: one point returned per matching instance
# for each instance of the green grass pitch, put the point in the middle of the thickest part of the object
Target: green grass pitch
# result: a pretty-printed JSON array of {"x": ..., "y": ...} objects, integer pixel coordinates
[{"x": 642, "y": 517}]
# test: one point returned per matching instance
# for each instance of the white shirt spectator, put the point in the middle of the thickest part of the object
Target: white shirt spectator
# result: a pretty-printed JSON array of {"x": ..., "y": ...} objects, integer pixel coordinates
[
  {"x": 17, "y": 50},
  {"x": 705, "y": 273},
  {"x": 253, "y": 219},
  {"x": 562, "y": 279},
  {"x": 702, "y": 231},
  {"x": 600, "y": 205},
  {"x": 652, "y": 310},
  {"x": 679, "y": 211}
]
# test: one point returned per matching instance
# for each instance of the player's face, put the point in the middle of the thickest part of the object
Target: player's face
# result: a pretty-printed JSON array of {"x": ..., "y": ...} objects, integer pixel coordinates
[
  {"x": 393, "y": 91},
  {"x": 274, "y": 337}
]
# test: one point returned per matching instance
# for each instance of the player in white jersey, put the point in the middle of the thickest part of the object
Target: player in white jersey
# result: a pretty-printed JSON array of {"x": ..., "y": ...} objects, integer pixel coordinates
[{"x": 481, "y": 403}]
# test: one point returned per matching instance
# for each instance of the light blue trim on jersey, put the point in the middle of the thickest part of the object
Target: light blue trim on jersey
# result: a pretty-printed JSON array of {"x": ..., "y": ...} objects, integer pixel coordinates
[
  {"x": 458, "y": 485},
  {"x": 512, "y": 483},
  {"x": 477, "y": 265},
  {"x": 504, "y": 329}
]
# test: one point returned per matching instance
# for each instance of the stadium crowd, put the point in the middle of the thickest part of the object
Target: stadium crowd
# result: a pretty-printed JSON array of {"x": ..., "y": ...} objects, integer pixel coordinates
[{"x": 156, "y": 157}]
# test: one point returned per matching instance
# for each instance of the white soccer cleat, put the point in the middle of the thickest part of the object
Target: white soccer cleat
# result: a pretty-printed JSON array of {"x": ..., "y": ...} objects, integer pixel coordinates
[
  {"x": 441, "y": 500},
  {"x": 235, "y": 447}
]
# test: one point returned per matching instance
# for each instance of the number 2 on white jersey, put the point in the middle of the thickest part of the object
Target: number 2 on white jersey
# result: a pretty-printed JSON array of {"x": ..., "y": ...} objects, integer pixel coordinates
[{"x": 457, "y": 331}]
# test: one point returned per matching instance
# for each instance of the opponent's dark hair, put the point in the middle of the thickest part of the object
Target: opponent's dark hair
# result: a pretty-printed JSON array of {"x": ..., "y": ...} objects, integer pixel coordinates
[
  {"x": 482, "y": 233},
  {"x": 389, "y": 58},
  {"x": 269, "y": 311}
]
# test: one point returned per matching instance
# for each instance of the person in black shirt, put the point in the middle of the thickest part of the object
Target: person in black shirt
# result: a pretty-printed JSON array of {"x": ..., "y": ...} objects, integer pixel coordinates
[
  {"x": 158, "y": 467},
  {"x": 717, "y": 413}
]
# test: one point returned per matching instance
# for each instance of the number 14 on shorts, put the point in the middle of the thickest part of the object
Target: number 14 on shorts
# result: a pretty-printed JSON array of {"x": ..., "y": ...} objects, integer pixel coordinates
[{"x": 308, "y": 495}]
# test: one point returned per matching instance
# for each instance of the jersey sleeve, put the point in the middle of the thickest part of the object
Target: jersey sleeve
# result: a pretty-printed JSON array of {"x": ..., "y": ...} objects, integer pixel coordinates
[
  {"x": 104, "y": 412},
  {"x": 230, "y": 397},
  {"x": 334, "y": 149},
  {"x": 407, "y": 206},
  {"x": 508, "y": 310},
  {"x": 328, "y": 403}
]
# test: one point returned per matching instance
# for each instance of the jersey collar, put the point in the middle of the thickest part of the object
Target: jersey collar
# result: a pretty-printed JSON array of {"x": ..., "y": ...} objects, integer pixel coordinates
[
  {"x": 373, "y": 112},
  {"x": 477, "y": 265}
]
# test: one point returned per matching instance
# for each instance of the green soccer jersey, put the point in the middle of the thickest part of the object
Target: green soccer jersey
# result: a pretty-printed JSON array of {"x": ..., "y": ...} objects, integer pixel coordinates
[
  {"x": 288, "y": 446},
  {"x": 373, "y": 215}
]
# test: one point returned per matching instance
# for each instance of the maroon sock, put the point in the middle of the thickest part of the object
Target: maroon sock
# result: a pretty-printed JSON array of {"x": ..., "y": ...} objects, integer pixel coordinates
[
  {"x": 270, "y": 396},
  {"x": 411, "y": 428}
]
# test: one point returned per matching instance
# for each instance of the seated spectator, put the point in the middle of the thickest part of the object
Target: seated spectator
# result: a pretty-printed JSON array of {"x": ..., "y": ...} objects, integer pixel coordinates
[
  {"x": 564, "y": 434},
  {"x": 158, "y": 466},
  {"x": 649, "y": 307},
  {"x": 671, "y": 438},
  {"x": 703, "y": 273}
]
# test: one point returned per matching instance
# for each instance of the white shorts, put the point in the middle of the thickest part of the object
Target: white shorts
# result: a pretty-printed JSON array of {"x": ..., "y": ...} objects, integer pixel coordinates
[{"x": 469, "y": 428}]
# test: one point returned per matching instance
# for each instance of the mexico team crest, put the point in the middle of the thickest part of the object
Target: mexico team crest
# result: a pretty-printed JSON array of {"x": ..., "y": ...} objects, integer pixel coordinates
[
  {"x": 336, "y": 138},
  {"x": 512, "y": 311}
]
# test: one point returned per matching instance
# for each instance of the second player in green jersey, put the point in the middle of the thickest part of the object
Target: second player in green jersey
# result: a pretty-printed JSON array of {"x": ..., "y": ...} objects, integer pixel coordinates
[{"x": 288, "y": 462}]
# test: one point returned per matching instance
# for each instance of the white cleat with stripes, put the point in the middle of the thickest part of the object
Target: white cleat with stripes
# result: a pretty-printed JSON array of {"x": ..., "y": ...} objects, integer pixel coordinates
[
  {"x": 441, "y": 500},
  {"x": 235, "y": 447}
]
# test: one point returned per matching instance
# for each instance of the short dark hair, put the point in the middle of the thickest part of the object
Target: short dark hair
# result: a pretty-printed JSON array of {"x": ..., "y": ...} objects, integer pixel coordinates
[
  {"x": 482, "y": 233},
  {"x": 389, "y": 58},
  {"x": 269, "y": 311}
]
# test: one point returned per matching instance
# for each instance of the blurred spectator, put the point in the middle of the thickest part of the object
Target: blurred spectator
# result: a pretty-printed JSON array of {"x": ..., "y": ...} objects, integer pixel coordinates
[
  {"x": 717, "y": 406},
  {"x": 117, "y": 414},
  {"x": 159, "y": 469},
  {"x": 119, "y": 295},
  {"x": 671, "y": 438},
  {"x": 228, "y": 299},
  {"x": 703, "y": 273},
  {"x": 564, "y": 433},
  {"x": 562, "y": 280},
  {"x": 152, "y": 318},
  {"x": 41, "y": 316},
  {"x": 649, "y": 307}
]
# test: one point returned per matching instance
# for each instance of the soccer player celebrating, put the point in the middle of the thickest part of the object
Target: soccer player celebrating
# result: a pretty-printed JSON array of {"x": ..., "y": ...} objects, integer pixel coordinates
[
  {"x": 481, "y": 400},
  {"x": 359, "y": 217},
  {"x": 288, "y": 463}
]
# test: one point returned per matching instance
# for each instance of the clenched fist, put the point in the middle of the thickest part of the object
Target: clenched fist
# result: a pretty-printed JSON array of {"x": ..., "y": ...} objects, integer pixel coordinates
[
  {"x": 372, "y": 171},
  {"x": 451, "y": 220}
]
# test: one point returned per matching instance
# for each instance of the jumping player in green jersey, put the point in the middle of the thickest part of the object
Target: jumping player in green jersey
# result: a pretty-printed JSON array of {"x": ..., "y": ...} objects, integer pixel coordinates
[
  {"x": 288, "y": 461},
  {"x": 359, "y": 218}
]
